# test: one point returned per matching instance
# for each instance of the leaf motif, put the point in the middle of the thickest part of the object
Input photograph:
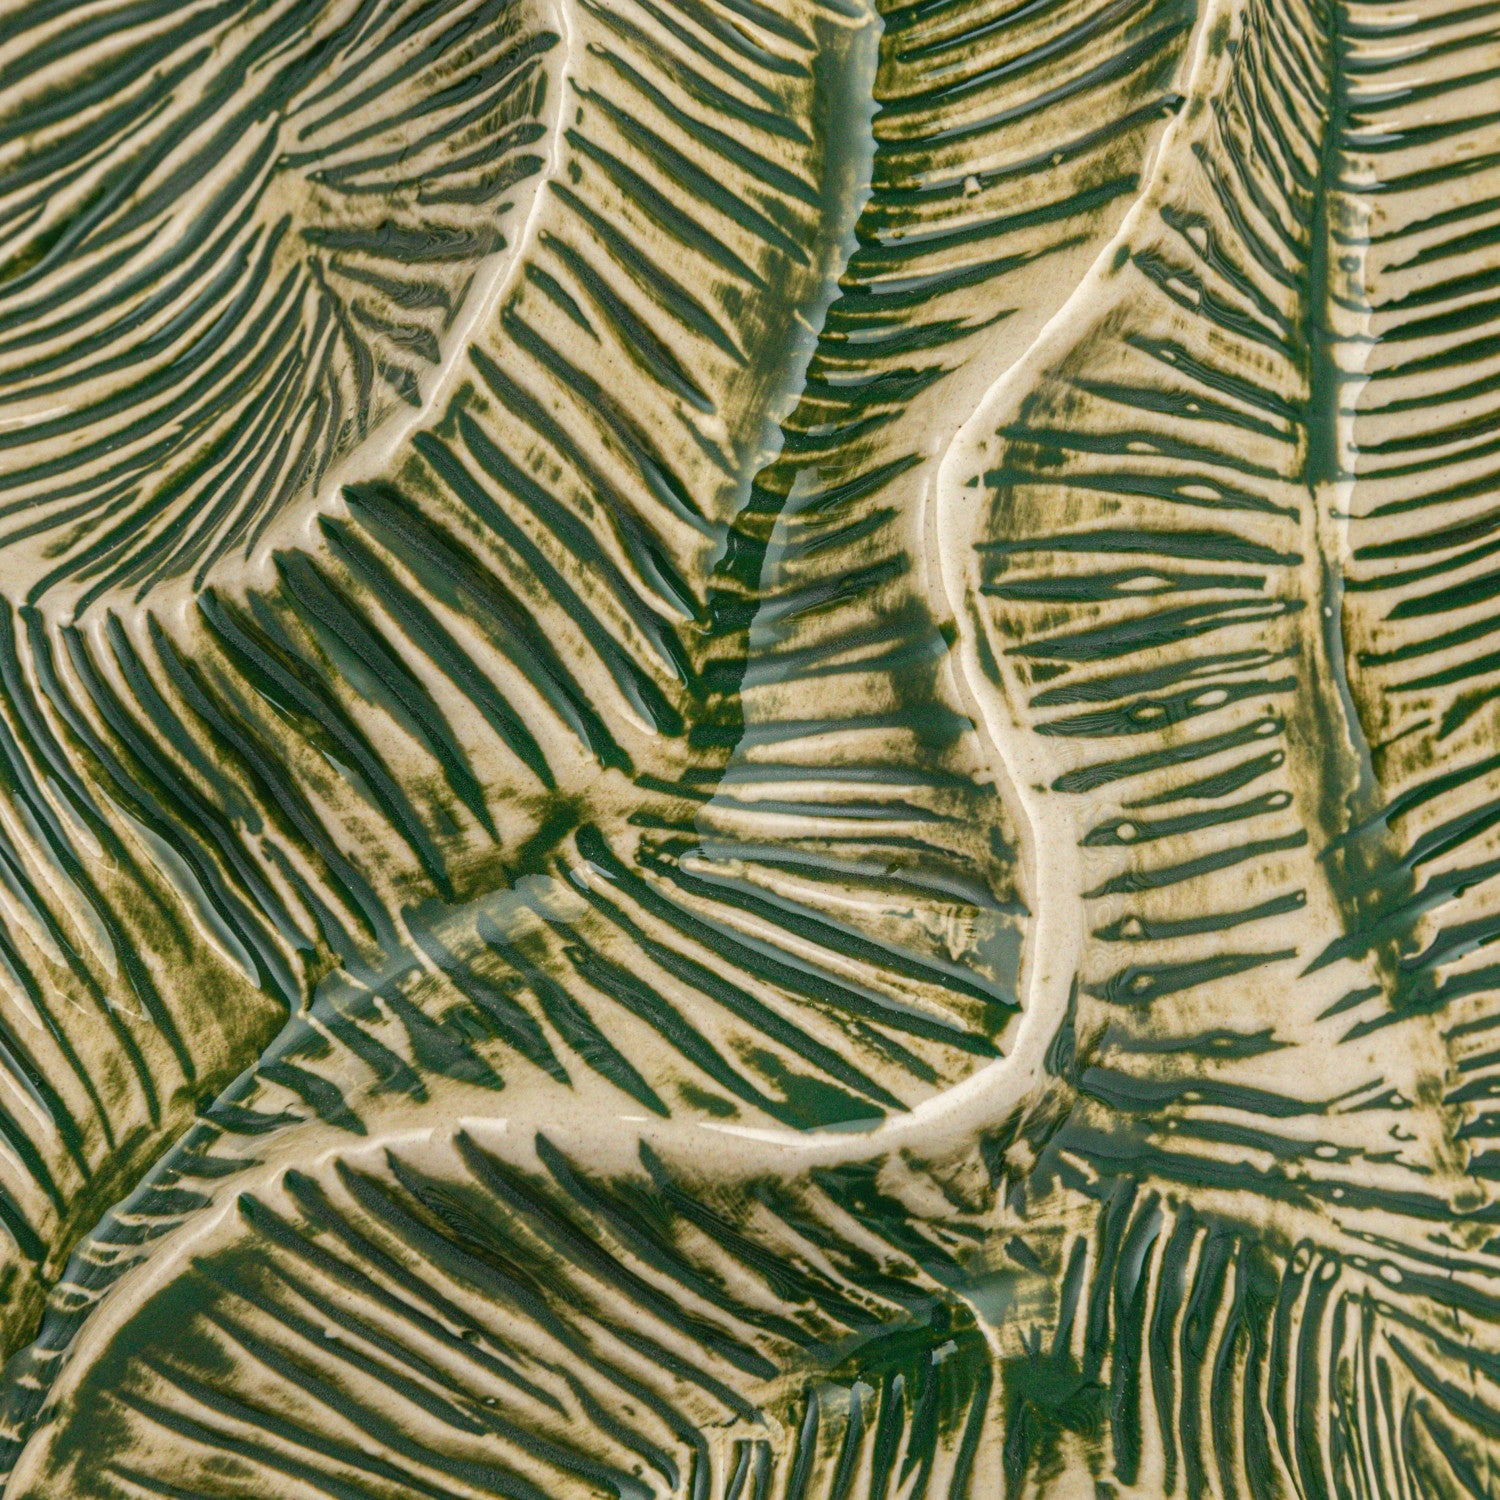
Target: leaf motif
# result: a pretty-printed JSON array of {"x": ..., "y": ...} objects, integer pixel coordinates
[
  {"x": 299, "y": 764},
  {"x": 1159, "y": 527},
  {"x": 993, "y": 185},
  {"x": 444, "y": 766},
  {"x": 592, "y": 772},
  {"x": 238, "y": 239},
  {"x": 222, "y": 796},
  {"x": 1188, "y": 1351},
  {"x": 482, "y": 1315}
]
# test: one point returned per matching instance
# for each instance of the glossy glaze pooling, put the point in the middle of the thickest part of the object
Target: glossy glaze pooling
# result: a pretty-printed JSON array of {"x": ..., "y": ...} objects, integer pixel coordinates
[{"x": 748, "y": 751}]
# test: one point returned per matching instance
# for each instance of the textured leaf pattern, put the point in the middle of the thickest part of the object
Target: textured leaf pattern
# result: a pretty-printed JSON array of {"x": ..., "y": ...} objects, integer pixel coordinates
[
  {"x": 747, "y": 749},
  {"x": 236, "y": 238}
]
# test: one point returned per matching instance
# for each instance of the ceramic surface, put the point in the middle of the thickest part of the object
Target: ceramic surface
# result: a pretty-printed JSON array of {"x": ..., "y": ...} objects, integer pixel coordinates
[{"x": 748, "y": 749}]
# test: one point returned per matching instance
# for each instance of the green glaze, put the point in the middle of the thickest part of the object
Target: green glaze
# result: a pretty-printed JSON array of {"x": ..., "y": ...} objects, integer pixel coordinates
[{"x": 747, "y": 751}]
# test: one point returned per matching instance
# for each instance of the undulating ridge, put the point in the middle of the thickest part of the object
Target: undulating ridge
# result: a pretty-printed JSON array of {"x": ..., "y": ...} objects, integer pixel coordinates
[{"x": 746, "y": 749}]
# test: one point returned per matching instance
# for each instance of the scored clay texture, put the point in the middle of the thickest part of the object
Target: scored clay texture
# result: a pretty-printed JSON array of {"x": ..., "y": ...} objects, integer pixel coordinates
[{"x": 749, "y": 749}]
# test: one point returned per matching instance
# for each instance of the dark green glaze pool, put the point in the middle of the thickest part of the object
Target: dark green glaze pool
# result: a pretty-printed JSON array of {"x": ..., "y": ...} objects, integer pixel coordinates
[{"x": 749, "y": 749}]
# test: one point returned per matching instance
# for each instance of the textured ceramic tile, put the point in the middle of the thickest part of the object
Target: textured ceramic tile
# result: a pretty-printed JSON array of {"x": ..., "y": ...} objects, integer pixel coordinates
[{"x": 749, "y": 749}]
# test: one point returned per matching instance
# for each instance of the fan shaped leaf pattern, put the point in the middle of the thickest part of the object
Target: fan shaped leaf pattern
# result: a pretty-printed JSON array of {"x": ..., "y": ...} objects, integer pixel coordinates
[
  {"x": 237, "y": 239},
  {"x": 747, "y": 749}
]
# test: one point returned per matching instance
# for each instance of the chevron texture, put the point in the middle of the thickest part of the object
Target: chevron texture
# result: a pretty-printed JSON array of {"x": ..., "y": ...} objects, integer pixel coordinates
[{"x": 749, "y": 749}]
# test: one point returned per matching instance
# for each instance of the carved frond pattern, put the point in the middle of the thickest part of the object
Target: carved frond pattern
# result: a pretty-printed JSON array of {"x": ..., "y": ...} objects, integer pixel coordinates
[{"x": 747, "y": 750}]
